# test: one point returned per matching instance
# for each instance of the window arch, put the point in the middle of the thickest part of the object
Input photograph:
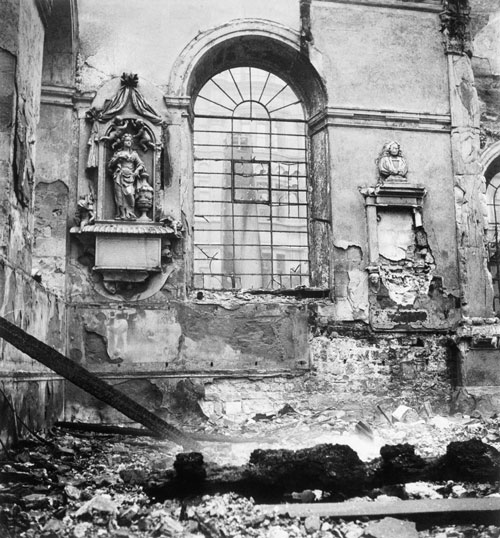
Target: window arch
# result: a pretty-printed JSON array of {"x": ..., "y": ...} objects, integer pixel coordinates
[{"x": 250, "y": 183}]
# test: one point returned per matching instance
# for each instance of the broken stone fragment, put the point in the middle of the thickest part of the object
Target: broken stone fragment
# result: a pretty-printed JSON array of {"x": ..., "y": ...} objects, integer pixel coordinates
[
  {"x": 352, "y": 530},
  {"x": 72, "y": 492},
  {"x": 390, "y": 527},
  {"x": 312, "y": 524},
  {"x": 81, "y": 530},
  {"x": 126, "y": 516},
  {"x": 440, "y": 422},
  {"x": 405, "y": 414},
  {"x": 52, "y": 527},
  {"x": 422, "y": 490},
  {"x": 276, "y": 532},
  {"x": 100, "y": 503},
  {"x": 36, "y": 501}
]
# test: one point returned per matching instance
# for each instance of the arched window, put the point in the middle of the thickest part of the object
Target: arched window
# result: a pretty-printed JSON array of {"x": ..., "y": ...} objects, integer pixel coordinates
[{"x": 250, "y": 183}]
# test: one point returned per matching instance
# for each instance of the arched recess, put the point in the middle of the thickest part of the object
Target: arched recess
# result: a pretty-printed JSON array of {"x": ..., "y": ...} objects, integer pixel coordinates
[
  {"x": 55, "y": 150},
  {"x": 490, "y": 160},
  {"x": 272, "y": 47},
  {"x": 59, "y": 52}
]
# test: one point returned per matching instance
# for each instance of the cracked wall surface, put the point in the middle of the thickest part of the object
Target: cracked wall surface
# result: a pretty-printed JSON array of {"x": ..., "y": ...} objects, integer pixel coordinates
[{"x": 34, "y": 392}]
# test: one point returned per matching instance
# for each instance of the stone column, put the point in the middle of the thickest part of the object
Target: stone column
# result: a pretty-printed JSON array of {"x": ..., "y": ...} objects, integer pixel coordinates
[
  {"x": 320, "y": 214},
  {"x": 179, "y": 199},
  {"x": 476, "y": 288}
]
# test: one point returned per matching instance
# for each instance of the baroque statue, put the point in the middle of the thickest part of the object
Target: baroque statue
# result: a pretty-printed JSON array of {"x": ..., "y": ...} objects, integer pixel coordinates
[
  {"x": 392, "y": 165},
  {"x": 128, "y": 171},
  {"x": 85, "y": 213}
]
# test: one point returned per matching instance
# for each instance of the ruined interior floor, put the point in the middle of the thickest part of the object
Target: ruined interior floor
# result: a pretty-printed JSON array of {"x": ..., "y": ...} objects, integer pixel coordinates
[{"x": 84, "y": 484}]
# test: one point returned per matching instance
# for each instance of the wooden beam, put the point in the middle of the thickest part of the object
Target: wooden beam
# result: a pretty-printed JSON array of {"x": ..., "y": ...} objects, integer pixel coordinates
[
  {"x": 90, "y": 383},
  {"x": 469, "y": 509}
]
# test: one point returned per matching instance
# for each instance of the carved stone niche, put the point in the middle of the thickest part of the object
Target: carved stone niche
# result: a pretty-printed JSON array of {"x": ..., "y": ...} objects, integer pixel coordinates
[{"x": 122, "y": 209}]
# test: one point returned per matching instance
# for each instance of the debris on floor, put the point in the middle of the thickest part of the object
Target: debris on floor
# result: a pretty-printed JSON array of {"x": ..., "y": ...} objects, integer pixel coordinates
[{"x": 84, "y": 484}]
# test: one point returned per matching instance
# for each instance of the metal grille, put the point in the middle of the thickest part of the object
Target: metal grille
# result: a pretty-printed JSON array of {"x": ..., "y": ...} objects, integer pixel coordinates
[
  {"x": 493, "y": 237},
  {"x": 250, "y": 183}
]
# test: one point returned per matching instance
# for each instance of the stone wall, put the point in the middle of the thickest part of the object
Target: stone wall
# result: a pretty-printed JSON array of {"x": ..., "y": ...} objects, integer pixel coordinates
[
  {"x": 351, "y": 370},
  {"x": 33, "y": 391},
  {"x": 391, "y": 83},
  {"x": 30, "y": 393}
]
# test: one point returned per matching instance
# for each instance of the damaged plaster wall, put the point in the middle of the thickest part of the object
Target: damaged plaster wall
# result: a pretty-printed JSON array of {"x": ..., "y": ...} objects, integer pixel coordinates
[
  {"x": 49, "y": 259},
  {"x": 208, "y": 341},
  {"x": 21, "y": 46},
  {"x": 150, "y": 345},
  {"x": 34, "y": 392},
  {"x": 57, "y": 147},
  {"x": 365, "y": 118},
  {"x": 419, "y": 287}
]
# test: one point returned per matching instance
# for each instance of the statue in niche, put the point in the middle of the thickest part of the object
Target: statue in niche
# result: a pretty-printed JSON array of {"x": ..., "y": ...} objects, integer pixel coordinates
[
  {"x": 392, "y": 165},
  {"x": 126, "y": 167}
]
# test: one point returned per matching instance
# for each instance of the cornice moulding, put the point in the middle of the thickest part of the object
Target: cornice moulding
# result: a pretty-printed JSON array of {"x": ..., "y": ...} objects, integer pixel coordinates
[
  {"x": 432, "y": 6},
  {"x": 380, "y": 119},
  {"x": 58, "y": 95},
  {"x": 177, "y": 102}
]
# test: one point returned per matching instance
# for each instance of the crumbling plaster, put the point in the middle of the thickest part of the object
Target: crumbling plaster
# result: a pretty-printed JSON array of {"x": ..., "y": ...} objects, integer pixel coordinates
[
  {"x": 34, "y": 391},
  {"x": 407, "y": 288}
]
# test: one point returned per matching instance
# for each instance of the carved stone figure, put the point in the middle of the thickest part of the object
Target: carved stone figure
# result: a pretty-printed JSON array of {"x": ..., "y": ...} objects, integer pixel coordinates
[
  {"x": 392, "y": 165},
  {"x": 118, "y": 129},
  {"x": 125, "y": 167},
  {"x": 142, "y": 137},
  {"x": 85, "y": 211}
]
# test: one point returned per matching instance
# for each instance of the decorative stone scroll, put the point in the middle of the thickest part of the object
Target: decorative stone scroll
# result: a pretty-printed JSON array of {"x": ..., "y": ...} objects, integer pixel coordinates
[{"x": 122, "y": 212}]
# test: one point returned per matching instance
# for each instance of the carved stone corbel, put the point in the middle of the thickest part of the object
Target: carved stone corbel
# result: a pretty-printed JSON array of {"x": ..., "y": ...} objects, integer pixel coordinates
[{"x": 455, "y": 19}]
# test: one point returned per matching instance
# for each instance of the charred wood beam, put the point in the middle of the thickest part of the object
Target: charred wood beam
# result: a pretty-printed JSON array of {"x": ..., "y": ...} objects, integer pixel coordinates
[
  {"x": 272, "y": 475},
  {"x": 90, "y": 383},
  {"x": 103, "y": 428}
]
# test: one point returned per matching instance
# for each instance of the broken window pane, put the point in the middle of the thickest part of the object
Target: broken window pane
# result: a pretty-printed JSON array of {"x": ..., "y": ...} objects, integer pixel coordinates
[{"x": 250, "y": 188}]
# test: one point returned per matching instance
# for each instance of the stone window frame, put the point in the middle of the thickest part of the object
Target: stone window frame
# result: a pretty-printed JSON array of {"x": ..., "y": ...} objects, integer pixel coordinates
[
  {"x": 231, "y": 264},
  {"x": 273, "y": 47}
]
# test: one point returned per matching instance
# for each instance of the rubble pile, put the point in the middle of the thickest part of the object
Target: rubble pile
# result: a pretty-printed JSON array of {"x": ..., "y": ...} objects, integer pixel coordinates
[{"x": 90, "y": 485}]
